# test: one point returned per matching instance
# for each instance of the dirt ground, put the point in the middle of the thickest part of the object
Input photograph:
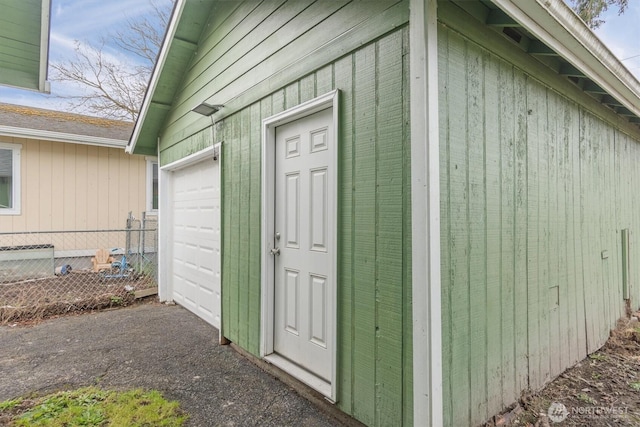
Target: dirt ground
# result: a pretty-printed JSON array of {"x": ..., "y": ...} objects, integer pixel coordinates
[
  {"x": 602, "y": 390},
  {"x": 34, "y": 299}
]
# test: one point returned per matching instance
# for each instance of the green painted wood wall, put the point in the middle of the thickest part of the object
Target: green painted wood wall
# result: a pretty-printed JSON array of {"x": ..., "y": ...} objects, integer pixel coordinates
[
  {"x": 250, "y": 49},
  {"x": 537, "y": 181},
  {"x": 535, "y": 178},
  {"x": 370, "y": 68},
  {"x": 374, "y": 310}
]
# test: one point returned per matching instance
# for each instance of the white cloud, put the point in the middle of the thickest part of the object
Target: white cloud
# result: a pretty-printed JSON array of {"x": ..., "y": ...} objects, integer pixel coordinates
[
  {"x": 63, "y": 47},
  {"x": 89, "y": 19},
  {"x": 60, "y": 46}
]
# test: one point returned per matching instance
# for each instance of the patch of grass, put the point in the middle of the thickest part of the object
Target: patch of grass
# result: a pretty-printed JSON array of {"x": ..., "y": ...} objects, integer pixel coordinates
[
  {"x": 9, "y": 404},
  {"x": 91, "y": 406},
  {"x": 635, "y": 386}
]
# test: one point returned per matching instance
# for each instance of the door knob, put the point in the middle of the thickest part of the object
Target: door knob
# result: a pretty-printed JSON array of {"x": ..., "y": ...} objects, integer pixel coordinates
[{"x": 275, "y": 251}]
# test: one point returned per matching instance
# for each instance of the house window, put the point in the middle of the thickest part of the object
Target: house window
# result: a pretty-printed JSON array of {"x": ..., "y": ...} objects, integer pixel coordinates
[
  {"x": 152, "y": 185},
  {"x": 10, "y": 179}
]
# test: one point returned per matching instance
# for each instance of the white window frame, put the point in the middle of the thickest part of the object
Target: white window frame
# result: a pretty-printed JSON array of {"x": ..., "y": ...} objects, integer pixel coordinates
[
  {"x": 149, "y": 176},
  {"x": 16, "y": 184}
]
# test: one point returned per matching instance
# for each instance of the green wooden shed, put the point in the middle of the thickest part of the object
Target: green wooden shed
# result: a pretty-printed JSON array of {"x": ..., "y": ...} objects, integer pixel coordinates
[{"x": 418, "y": 208}]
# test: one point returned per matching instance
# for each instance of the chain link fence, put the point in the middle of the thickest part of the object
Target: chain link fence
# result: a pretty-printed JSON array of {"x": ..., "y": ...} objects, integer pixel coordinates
[{"x": 47, "y": 273}]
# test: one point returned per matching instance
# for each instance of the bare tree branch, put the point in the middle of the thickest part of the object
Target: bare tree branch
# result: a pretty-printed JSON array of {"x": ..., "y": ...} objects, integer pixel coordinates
[
  {"x": 113, "y": 89},
  {"x": 143, "y": 37}
]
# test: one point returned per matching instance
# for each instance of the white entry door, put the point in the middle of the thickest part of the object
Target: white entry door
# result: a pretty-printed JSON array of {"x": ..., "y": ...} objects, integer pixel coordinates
[
  {"x": 304, "y": 235},
  {"x": 195, "y": 245}
]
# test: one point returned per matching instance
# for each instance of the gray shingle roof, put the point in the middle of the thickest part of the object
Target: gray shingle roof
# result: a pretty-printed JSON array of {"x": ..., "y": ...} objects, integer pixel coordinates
[{"x": 18, "y": 116}]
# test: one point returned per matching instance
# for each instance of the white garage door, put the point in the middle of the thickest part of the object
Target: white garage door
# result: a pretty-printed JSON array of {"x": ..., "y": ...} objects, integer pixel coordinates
[{"x": 196, "y": 239}]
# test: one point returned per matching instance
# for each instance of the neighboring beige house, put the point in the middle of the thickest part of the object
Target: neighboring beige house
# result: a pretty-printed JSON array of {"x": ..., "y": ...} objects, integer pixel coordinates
[{"x": 64, "y": 172}]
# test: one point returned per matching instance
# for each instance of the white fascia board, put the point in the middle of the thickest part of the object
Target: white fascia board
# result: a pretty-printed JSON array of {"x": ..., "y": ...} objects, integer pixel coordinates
[
  {"x": 45, "y": 26},
  {"x": 556, "y": 25},
  {"x": 157, "y": 71},
  {"x": 70, "y": 138}
]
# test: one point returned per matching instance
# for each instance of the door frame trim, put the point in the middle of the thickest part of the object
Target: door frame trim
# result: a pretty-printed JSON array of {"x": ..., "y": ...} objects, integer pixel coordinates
[{"x": 267, "y": 286}]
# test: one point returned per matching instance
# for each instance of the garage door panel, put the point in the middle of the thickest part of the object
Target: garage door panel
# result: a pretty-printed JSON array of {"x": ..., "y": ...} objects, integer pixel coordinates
[
  {"x": 196, "y": 239},
  {"x": 197, "y": 274}
]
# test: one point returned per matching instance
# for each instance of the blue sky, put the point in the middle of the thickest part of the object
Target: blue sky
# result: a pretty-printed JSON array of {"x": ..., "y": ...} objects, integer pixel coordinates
[
  {"x": 622, "y": 35},
  {"x": 91, "y": 20}
]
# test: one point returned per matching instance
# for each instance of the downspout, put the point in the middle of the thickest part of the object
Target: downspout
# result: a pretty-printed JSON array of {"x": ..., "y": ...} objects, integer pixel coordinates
[{"x": 425, "y": 214}]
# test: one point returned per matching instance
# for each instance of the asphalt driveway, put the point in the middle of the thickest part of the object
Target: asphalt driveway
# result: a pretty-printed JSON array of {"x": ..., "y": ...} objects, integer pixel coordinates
[{"x": 152, "y": 346}]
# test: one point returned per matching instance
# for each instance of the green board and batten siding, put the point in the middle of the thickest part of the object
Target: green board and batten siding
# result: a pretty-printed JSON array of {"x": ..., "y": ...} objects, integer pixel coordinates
[
  {"x": 535, "y": 185},
  {"x": 534, "y": 182},
  {"x": 374, "y": 268}
]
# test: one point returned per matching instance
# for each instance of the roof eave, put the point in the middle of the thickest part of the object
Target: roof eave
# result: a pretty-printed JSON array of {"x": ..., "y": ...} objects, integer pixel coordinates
[
  {"x": 155, "y": 76},
  {"x": 555, "y": 24},
  {"x": 70, "y": 138}
]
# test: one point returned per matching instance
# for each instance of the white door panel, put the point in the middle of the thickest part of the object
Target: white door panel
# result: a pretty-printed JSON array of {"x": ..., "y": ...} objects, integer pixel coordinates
[{"x": 303, "y": 320}]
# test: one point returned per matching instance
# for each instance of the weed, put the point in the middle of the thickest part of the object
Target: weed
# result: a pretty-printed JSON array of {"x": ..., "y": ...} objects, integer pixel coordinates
[
  {"x": 90, "y": 417},
  {"x": 116, "y": 300},
  {"x": 9, "y": 404},
  {"x": 597, "y": 356},
  {"x": 583, "y": 397},
  {"x": 147, "y": 269},
  {"x": 635, "y": 386}
]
